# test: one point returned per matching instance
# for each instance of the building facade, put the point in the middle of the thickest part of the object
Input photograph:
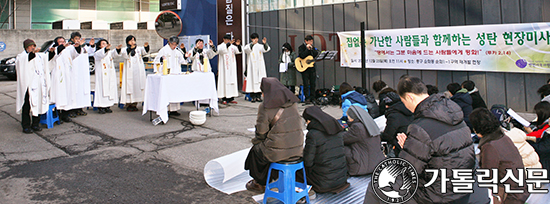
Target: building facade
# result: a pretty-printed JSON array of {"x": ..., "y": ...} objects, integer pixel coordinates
[
  {"x": 289, "y": 21},
  {"x": 39, "y": 14}
]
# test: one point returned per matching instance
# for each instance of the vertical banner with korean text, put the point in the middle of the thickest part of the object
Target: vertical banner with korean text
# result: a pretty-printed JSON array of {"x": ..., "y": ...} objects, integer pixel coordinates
[
  {"x": 491, "y": 48},
  {"x": 230, "y": 22}
]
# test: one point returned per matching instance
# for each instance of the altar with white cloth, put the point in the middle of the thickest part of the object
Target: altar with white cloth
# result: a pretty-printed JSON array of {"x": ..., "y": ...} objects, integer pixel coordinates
[{"x": 161, "y": 90}]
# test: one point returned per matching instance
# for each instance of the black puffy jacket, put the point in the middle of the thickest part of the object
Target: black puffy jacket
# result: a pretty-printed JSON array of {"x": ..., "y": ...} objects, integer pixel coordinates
[
  {"x": 398, "y": 118},
  {"x": 324, "y": 159},
  {"x": 464, "y": 100},
  {"x": 362, "y": 149},
  {"x": 477, "y": 100},
  {"x": 542, "y": 147},
  {"x": 436, "y": 139}
]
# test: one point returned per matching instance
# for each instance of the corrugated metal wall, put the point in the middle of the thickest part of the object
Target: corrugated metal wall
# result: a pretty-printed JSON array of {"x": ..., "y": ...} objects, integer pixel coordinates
[{"x": 517, "y": 91}]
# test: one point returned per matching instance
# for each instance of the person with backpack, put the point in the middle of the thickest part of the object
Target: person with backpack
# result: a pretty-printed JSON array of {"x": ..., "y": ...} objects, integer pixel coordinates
[{"x": 350, "y": 97}]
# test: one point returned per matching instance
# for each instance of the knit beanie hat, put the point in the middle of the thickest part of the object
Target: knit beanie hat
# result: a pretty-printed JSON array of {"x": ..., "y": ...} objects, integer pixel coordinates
[{"x": 27, "y": 43}]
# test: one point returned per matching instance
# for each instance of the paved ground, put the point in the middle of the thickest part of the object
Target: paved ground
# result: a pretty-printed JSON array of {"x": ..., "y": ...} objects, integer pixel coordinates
[{"x": 119, "y": 157}]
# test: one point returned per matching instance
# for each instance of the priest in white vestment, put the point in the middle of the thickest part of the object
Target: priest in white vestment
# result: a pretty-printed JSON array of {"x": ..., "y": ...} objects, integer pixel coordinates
[
  {"x": 227, "y": 69},
  {"x": 81, "y": 72},
  {"x": 33, "y": 84},
  {"x": 255, "y": 66},
  {"x": 133, "y": 73},
  {"x": 106, "y": 86},
  {"x": 173, "y": 56},
  {"x": 201, "y": 57},
  {"x": 63, "y": 92}
]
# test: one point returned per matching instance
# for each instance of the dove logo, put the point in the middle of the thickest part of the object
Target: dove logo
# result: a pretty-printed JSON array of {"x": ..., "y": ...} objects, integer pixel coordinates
[{"x": 394, "y": 180}]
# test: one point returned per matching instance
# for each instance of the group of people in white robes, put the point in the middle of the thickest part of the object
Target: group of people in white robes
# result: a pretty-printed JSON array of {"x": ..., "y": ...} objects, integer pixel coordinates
[{"x": 61, "y": 75}]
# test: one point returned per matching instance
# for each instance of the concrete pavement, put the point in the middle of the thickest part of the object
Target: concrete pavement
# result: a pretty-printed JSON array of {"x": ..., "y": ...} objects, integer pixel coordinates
[{"x": 119, "y": 157}]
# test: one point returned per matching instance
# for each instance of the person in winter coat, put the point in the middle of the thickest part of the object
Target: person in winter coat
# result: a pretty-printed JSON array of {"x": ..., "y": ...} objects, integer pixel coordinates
[
  {"x": 351, "y": 97},
  {"x": 432, "y": 89},
  {"x": 477, "y": 100},
  {"x": 542, "y": 147},
  {"x": 542, "y": 109},
  {"x": 544, "y": 92},
  {"x": 324, "y": 157},
  {"x": 437, "y": 138},
  {"x": 528, "y": 154},
  {"x": 362, "y": 143},
  {"x": 382, "y": 89},
  {"x": 288, "y": 76},
  {"x": 498, "y": 152},
  {"x": 542, "y": 132},
  {"x": 398, "y": 118},
  {"x": 279, "y": 135},
  {"x": 463, "y": 99}
]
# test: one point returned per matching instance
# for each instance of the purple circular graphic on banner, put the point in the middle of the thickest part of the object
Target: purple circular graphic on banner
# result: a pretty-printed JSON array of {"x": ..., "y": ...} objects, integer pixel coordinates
[{"x": 521, "y": 63}]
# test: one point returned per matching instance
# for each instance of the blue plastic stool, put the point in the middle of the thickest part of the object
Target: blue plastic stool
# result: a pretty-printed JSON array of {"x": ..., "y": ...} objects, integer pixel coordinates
[
  {"x": 49, "y": 118},
  {"x": 286, "y": 184},
  {"x": 302, "y": 97},
  {"x": 247, "y": 97},
  {"x": 93, "y": 98}
]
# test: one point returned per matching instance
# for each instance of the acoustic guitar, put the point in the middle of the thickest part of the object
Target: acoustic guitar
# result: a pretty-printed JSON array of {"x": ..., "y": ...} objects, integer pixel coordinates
[{"x": 303, "y": 64}]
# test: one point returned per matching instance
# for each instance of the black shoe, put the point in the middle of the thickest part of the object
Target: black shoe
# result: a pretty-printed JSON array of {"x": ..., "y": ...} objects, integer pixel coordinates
[
  {"x": 108, "y": 110},
  {"x": 80, "y": 112},
  {"x": 174, "y": 113},
  {"x": 27, "y": 130},
  {"x": 72, "y": 115},
  {"x": 36, "y": 128},
  {"x": 66, "y": 119},
  {"x": 101, "y": 111}
]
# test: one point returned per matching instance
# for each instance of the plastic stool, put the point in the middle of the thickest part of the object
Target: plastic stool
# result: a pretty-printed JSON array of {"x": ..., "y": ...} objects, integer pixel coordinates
[
  {"x": 247, "y": 97},
  {"x": 93, "y": 98},
  {"x": 302, "y": 97},
  {"x": 49, "y": 118},
  {"x": 286, "y": 184}
]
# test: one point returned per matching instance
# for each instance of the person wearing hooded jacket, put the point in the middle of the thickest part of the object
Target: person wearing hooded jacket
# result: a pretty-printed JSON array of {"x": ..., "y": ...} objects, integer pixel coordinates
[
  {"x": 477, "y": 100},
  {"x": 362, "y": 143},
  {"x": 351, "y": 97},
  {"x": 398, "y": 118},
  {"x": 437, "y": 138},
  {"x": 461, "y": 97},
  {"x": 324, "y": 157},
  {"x": 279, "y": 135}
]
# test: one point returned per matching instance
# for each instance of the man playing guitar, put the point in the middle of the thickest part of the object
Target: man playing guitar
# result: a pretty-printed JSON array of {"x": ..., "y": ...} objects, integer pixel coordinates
[{"x": 309, "y": 76}]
